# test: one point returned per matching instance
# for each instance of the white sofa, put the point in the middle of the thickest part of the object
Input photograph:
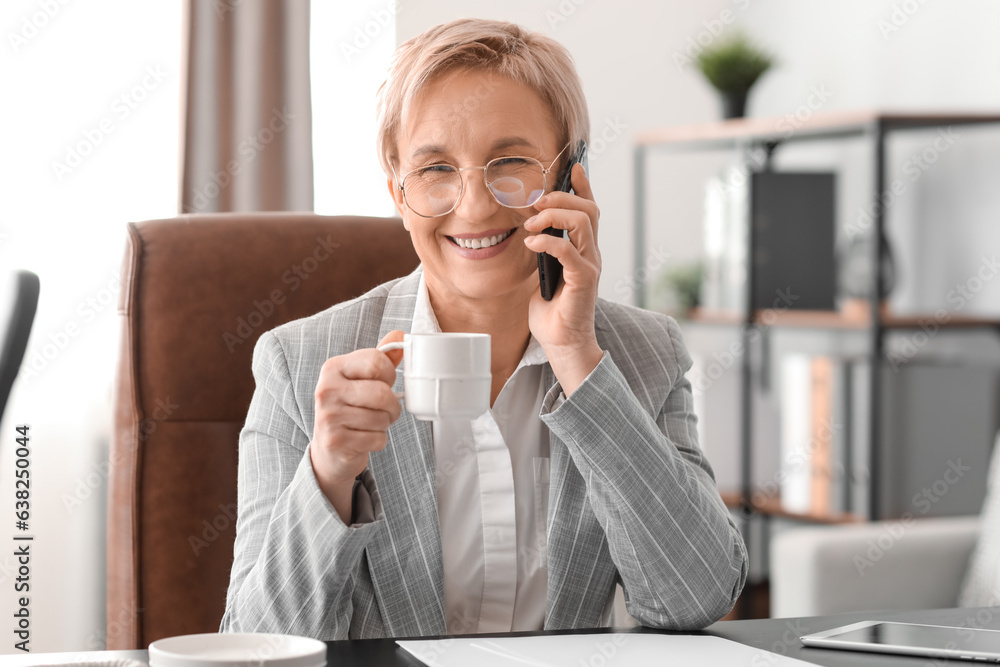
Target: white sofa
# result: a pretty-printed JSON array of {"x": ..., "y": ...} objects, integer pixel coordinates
[{"x": 885, "y": 565}]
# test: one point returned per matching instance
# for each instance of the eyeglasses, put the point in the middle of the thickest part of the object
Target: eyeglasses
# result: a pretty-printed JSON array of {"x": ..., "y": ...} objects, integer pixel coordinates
[{"x": 514, "y": 182}]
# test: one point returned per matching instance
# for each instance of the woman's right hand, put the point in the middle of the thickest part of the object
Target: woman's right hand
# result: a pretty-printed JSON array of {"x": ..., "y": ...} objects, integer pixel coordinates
[{"x": 354, "y": 408}]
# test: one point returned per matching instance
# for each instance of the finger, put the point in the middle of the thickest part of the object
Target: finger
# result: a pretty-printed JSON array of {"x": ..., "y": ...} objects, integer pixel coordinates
[
  {"x": 365, "y": 394},
  {"x": 581, "y": 184},
  {"x": 361, "y": 419},
  {"x": 582, "y": 200},
  {"x": 395, "y": 336},
  {"x": 567, "y": 254},
  {"x": 354, "y": 443},
  {"x": 560, "y": 218},
  {"x": 369, "y": 364},
  {"x": 371, "y": 441},
  {"x": 577, "y": 223},
  {"x": 569, "y": 201}
]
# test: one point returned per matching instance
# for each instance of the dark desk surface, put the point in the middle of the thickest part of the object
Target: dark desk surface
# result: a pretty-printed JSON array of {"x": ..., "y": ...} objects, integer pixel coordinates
[{"x": 778, "y": 635}]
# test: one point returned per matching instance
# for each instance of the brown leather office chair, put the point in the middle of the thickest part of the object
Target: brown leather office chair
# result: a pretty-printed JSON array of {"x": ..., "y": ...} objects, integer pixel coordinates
[{"x": 198, "y": 292}]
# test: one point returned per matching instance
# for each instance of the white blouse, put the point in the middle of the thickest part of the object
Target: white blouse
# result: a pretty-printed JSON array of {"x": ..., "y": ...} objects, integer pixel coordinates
[{"x": 492, "y": 485}]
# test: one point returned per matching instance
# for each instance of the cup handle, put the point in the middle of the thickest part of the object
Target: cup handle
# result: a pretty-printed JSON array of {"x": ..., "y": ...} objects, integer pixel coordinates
[{"x": 388, "y": 347}]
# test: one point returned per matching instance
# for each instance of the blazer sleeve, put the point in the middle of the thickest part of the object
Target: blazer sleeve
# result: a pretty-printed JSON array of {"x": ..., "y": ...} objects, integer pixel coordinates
[
  {"x": 679, "y": 554},
  {"x": 295, "y": 562}
]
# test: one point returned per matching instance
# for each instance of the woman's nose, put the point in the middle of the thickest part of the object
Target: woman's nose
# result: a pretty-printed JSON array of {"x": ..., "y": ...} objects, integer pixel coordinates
[{"x": 476, "y": 202}]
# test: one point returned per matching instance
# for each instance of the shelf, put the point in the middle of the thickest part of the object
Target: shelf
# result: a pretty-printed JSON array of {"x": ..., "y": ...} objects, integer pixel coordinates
[
  {"x": 771, "y": 506},
  {"x": 854, "y": 319},
  {"x": 954, "y": 322},
  {"x": 820, "y": 319},
  {"x": 730, "y": 133},
  {"x": 832, "y": 319}
]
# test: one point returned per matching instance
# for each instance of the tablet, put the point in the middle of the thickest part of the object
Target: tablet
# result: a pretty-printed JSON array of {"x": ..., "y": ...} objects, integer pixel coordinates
[{"x": 936, "y": 641}]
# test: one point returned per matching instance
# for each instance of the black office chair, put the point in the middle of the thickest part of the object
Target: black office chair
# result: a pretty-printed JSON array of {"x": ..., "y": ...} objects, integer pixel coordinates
[{"x": 18, "y": 302}]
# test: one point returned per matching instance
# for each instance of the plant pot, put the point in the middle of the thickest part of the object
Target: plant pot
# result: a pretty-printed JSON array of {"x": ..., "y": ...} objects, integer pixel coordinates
[{"x": 734, "y": 104}]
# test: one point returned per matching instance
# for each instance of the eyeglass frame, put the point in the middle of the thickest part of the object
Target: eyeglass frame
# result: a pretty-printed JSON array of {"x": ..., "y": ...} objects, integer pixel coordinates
[{"x": 400, "y": 183}]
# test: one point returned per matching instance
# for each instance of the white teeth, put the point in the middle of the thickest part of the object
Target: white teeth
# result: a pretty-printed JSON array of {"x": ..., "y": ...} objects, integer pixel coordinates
[{"x": 485, "y": 242}]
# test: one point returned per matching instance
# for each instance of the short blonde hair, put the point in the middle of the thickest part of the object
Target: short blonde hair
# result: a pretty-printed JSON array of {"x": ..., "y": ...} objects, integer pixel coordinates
[{"x": 495, "y": 47}]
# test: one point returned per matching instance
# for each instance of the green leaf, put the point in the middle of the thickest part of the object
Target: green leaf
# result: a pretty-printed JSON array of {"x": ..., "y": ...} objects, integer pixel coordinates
[{"x": 733, "y": 64}]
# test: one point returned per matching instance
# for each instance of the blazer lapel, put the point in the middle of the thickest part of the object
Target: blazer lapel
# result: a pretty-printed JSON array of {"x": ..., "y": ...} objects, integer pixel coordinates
[{"x": 405, "y": 558}]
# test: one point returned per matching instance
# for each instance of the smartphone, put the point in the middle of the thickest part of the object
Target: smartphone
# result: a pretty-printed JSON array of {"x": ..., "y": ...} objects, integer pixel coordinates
[{"x": 549, "y": 268}]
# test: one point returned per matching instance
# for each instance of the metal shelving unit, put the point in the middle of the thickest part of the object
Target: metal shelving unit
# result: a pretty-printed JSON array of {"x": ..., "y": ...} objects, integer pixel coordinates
[{"x": 770, "y": 134}]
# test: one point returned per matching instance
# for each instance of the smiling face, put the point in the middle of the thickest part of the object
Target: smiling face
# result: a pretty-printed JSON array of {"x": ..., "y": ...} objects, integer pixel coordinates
[{"x": 466, "y": 119}]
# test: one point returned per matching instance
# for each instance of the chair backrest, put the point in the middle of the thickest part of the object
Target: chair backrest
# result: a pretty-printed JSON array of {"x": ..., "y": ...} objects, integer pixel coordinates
[
  {"x": 18, "y": 302},
  {"x": 197, "y": 293}
]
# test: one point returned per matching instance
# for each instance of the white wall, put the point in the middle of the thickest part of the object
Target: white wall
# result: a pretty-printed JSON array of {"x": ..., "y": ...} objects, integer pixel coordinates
[
  {"x": 76, "y": 78},
  {"x": 350, "y": 47}
]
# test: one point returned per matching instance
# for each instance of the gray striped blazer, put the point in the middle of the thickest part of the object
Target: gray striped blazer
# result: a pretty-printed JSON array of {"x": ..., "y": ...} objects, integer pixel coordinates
[{"x": 631, "y": 498}]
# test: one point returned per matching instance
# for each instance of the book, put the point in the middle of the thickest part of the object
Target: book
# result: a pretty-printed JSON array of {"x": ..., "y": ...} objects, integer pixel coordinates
[
  {"x": 795, "y": 473},
  {"x": 812, "y": 438},
  {"x": 821, "y": 436}
]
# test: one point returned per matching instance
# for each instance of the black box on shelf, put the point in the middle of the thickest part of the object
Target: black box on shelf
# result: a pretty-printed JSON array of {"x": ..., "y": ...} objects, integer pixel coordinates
[{"x": 793, "y": 219}]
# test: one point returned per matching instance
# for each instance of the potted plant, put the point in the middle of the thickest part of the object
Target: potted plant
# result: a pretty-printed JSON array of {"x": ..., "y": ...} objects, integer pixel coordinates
[
  {"x": 681, "y": 285},
  {"x": 732, "y": 65}
]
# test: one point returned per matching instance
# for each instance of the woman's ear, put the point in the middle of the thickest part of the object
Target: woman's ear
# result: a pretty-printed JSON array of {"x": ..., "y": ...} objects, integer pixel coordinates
[{"x": 397, "y": 199}]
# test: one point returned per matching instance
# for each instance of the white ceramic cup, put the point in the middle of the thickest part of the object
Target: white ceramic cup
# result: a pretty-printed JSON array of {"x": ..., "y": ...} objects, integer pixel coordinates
[{"x": 445, "y": 375}]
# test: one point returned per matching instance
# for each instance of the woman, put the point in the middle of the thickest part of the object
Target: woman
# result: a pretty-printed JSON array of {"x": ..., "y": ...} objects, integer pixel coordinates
[{"x": 357, "y": 521}]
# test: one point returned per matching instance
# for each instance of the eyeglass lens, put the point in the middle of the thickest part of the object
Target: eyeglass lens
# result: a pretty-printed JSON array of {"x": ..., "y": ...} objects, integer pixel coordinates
[{"x": 514, "y": 182}]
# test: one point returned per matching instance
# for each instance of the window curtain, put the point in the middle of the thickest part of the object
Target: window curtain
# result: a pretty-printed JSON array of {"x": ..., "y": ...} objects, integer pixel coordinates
[{"x": 247, "y": 135}]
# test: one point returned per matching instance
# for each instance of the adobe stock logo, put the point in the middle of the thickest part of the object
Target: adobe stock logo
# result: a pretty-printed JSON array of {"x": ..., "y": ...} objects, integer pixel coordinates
[
  {"x": 370, "y": 31},
  {"x": 565, "y": 9},
  {"x": 712, "y": 30},
  {"x": 900, "y": 16},
  {"x": 31, "y": 25},
  {"x": 293, "y": 277},
  {"x": 43, "y": 352},
  {"x": 249, "y": 148},
  {"x": 121, "y": 108}
]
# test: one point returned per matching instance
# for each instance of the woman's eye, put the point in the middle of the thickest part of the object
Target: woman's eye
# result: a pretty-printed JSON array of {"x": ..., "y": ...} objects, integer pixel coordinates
[
  {"x": 510, "y": 161},
  {"x": 438, "y": 169}
]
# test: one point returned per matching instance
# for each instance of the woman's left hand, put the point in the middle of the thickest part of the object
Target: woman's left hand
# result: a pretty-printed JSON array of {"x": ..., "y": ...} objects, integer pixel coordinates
[{"x": 564, "y": 326}]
